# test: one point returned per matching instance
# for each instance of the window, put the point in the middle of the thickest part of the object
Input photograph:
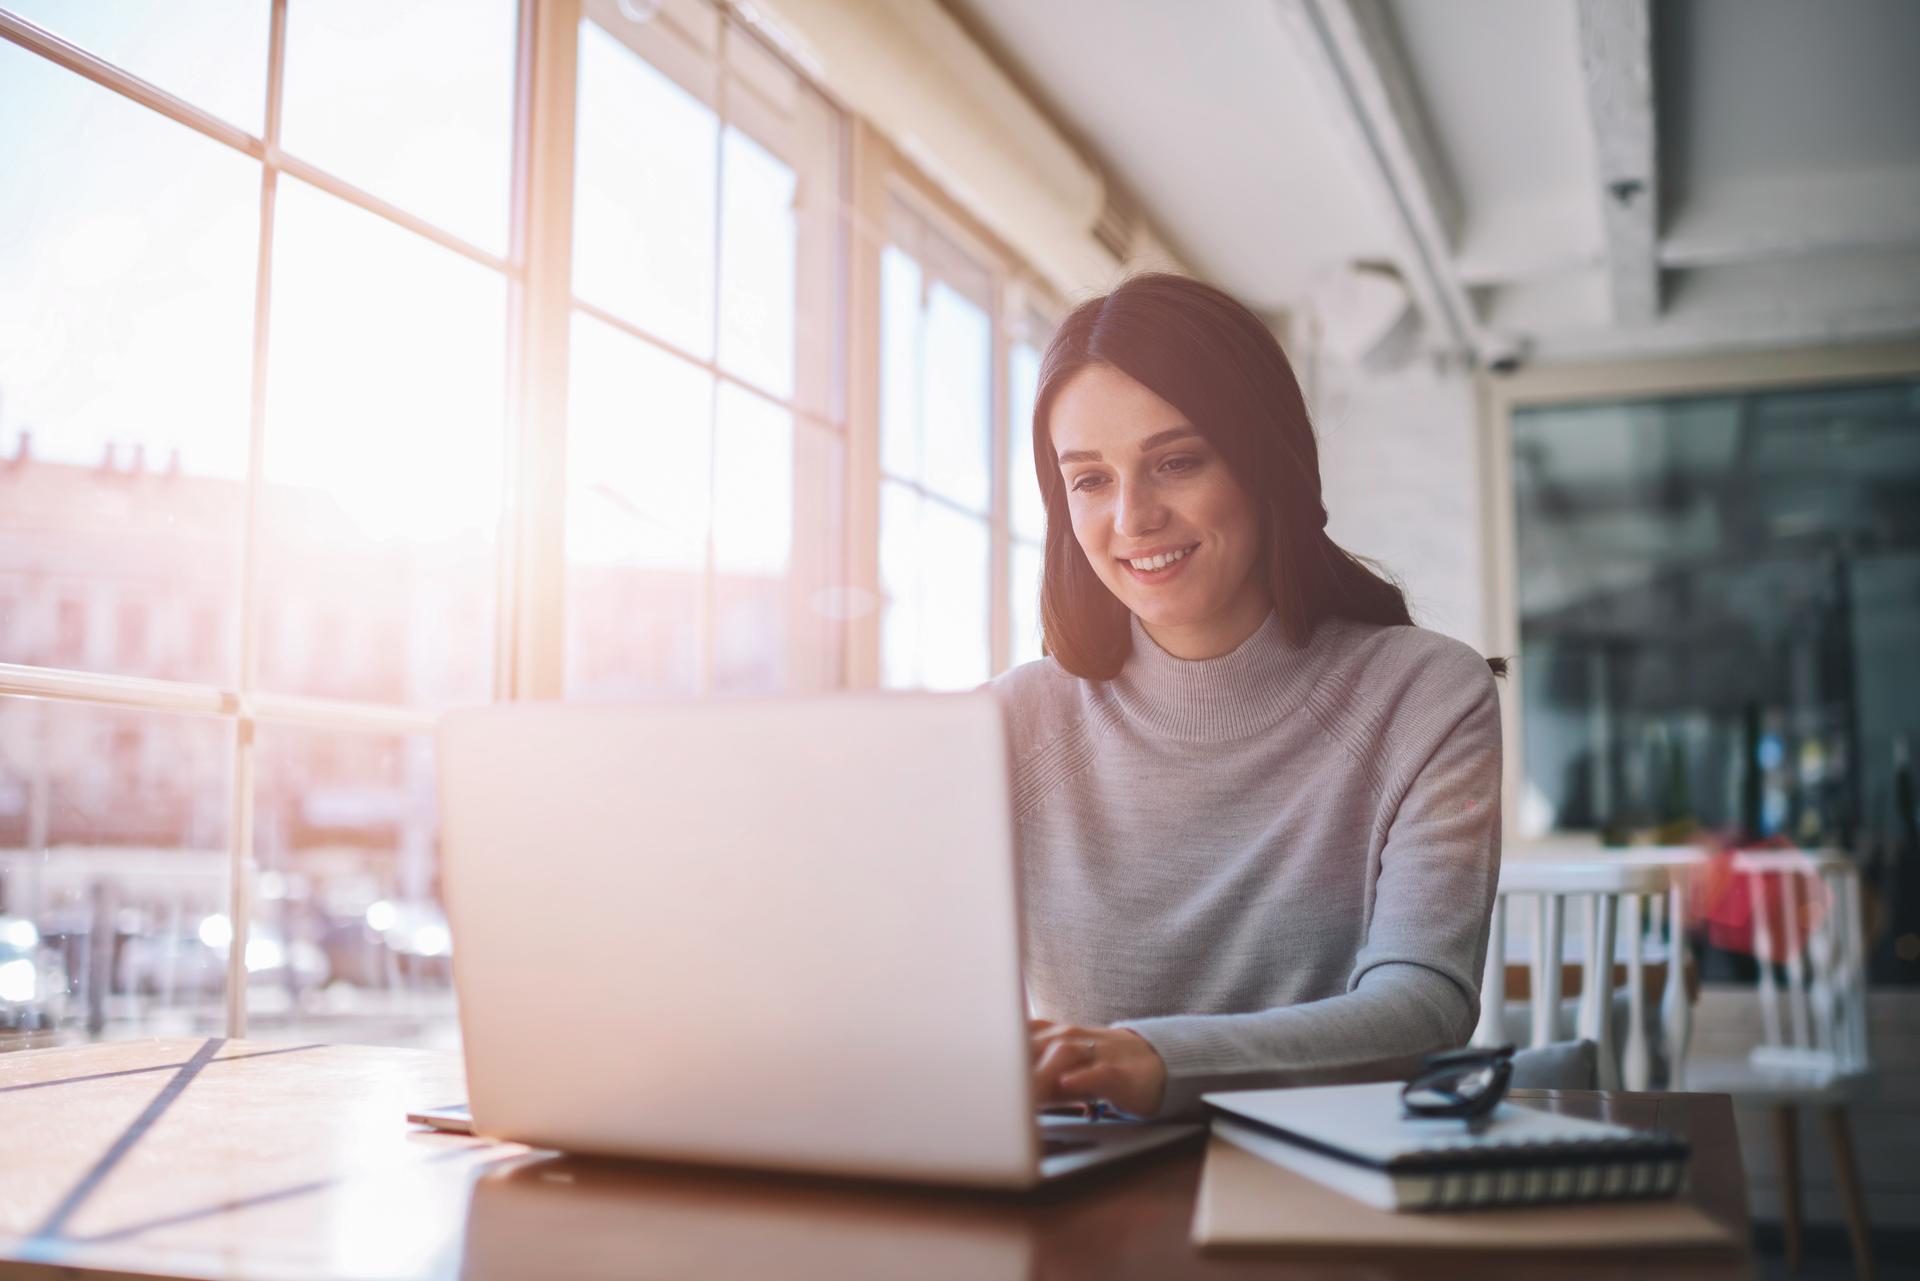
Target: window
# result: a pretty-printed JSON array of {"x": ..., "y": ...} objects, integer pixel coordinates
[
  {"x": 110, "y": 935},
  {"x": 1027, "y": 509},
  {"x": 165, "y": 432},
  {"x": 936, "y": 458},
  {"x": 310, "y": 428},
  {"x": 706, "y": 526}
]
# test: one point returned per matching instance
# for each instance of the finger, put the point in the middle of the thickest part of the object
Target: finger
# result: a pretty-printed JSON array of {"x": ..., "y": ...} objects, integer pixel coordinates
[
  {"x": 1058, "y": 1033},
  {"x": 1092, "y": 1081},
  {"x": 1053, "y": 1062},
  {"x": 1046, "y": 1085},
  {"x": 1064, "y": 1056}
]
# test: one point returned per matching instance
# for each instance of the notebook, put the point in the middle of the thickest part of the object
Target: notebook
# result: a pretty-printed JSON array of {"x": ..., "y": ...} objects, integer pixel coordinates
[
  {"x": 1249, "y": 1204},
  {"x": 1354, "y": 1139}
]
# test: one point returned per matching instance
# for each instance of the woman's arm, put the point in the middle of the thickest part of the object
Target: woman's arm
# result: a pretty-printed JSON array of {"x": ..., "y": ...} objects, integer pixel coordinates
[{"x": 1415, "y": 984}]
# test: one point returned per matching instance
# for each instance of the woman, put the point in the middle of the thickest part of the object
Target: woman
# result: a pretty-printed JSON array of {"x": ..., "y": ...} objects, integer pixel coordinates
[{"x": 1258, "y": 810}]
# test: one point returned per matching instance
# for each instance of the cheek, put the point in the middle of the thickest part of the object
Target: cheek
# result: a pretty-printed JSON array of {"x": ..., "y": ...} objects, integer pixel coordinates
[
  {"x": 1088, "y": 530},
  {"x": 1230, "y": 513}
]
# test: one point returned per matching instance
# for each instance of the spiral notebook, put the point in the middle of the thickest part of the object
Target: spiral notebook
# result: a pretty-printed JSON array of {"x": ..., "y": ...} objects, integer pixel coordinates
[
  {"x": 1246, "y": 1204},
  {"x": 1354, "y": 1139}
]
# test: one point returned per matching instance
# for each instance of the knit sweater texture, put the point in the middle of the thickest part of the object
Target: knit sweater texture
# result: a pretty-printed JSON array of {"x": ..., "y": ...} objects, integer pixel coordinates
[{"x": 1277, "y": 866}]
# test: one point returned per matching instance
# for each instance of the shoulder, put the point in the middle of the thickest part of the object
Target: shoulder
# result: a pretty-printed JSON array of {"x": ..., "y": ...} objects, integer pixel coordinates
[
  {"x": 1416, "y": 661},
  {"x": 1041, "y": 700},
  {"x": 1408, "y": 685}
]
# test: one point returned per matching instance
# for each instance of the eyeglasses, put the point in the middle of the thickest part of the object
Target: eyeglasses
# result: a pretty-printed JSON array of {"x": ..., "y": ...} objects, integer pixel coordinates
[{"x": 1467, "y": 1084}]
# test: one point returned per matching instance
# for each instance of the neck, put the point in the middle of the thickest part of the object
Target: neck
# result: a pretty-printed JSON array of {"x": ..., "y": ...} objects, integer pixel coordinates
[
  {"x": 1224, "y": 698},
  {"x": 1213, "y": 637}
]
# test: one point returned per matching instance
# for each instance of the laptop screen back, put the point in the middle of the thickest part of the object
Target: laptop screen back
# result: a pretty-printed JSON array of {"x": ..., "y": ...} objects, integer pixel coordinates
[{"x": 775, "y": 932}]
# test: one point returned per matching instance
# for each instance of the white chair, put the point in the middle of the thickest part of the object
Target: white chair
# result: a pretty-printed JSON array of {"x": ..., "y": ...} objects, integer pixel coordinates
[
  {"x": 1625, "y": 897},
  {"x": 1814, "y": 1049}
]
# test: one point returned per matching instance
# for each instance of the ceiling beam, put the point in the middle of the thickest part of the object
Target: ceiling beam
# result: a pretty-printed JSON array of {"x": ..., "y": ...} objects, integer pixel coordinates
[
  {"x": 1616, "y": 61},
  {"x": 1794, "y": 215},
  {"x": 1361, "y": 77},
  {"x": 1785, "y": 327}
]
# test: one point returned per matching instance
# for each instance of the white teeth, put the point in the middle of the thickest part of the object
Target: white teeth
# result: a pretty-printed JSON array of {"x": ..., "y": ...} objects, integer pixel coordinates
[{"x": 1151, "y": 563}]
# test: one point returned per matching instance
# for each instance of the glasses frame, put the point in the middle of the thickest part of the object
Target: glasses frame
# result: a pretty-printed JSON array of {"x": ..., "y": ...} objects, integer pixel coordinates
[{"x": 1441, "y": 1074}]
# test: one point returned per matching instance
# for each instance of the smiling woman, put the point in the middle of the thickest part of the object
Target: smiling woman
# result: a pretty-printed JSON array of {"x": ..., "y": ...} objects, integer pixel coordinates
[{"x": 1258, "y": 810}]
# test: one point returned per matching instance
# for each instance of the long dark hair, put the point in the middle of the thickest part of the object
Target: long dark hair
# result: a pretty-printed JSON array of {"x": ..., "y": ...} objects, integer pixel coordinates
[{"x": 1213, "y": 360}]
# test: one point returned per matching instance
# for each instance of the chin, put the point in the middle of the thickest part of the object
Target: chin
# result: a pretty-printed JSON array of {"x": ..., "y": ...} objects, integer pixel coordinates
[{"x": 1163, "y": 613}]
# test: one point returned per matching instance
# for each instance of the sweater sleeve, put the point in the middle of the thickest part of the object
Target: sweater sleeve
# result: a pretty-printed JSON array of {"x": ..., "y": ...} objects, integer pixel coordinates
[{"x": 1415, "y": 983}]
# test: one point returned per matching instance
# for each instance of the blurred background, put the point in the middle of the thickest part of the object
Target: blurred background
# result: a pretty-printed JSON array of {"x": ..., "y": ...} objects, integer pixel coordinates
[{"x": 366, "y": 358}]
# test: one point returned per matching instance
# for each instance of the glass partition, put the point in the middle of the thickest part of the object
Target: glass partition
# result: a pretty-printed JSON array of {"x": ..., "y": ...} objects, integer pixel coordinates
[{"x": 1719, "y": 620}]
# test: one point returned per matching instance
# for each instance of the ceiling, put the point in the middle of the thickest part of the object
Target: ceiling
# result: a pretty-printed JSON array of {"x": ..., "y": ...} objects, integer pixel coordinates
[{"x": 1553, "y": 180}]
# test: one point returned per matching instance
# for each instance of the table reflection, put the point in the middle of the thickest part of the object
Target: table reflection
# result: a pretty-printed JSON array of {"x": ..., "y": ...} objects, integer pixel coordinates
[{"x": 566, "y": 1217}]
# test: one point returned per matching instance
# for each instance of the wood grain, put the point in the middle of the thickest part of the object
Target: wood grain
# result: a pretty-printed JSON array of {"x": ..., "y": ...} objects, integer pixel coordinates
[{"x": 216, "y": 1159}]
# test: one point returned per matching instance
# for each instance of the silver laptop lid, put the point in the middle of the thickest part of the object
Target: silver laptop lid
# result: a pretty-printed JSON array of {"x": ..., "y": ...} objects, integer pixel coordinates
[{"x": 774, "y": 932}]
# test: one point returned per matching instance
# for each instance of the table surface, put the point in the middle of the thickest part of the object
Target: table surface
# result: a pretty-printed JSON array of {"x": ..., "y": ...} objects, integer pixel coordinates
[{"x": 226, "y": 1159}]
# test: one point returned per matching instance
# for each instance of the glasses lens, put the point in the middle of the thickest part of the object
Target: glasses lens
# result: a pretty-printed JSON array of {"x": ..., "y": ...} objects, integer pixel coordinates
[
  {"x": 1460, "y": 1088},
  {"x": 1474, "y": 1082},
  {"x": 1427, "y": 1099}
]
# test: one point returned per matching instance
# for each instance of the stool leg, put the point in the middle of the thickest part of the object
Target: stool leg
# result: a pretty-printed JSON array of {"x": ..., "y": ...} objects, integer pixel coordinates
[
  {"x": 1786, "y": 1138},
  {"x": 1846, "y": 1173}
]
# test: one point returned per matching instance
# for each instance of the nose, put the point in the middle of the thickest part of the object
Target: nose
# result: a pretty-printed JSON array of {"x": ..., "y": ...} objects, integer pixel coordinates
[{"x": 1139, "y": 510}]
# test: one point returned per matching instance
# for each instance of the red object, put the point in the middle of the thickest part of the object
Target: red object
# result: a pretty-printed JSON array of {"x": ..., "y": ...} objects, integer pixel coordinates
[{"x": 1722, "y": 902}]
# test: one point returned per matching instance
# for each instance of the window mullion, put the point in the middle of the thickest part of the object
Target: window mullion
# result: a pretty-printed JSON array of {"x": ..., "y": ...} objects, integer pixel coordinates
[
  {"x": 240, "y": 826},
  {"x": 540, "y": 333}
]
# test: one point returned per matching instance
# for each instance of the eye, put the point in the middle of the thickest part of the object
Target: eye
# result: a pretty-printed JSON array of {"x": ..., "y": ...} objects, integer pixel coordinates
[
  {"x": 1180, "y": 463},
  {"x": 1088, "y": 481}
]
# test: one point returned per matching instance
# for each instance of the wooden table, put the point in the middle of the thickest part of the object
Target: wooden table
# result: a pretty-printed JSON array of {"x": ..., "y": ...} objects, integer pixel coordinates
[{"x": 245, "y": 1159}]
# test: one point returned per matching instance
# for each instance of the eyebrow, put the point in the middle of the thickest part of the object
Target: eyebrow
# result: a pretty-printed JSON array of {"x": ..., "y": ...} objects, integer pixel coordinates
[{"x": 1148, "y": 445}]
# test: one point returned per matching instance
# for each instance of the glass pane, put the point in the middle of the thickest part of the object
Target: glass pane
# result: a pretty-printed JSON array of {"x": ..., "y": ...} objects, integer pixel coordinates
[
  {"x": 639, "y": 462},
  {"x": 1717, "y": 613},
  {"x": 899, "y": 364},
  {"x": 126, "y": 345},
  {"x": 753, "y": 486},
  {"x": 1029, "y": 509},
  {"x": 956, "y": 409},
  {"x": 385, "y": 438},
  {"x": 902, "y": 574},
  {"x": 113, "y": 872},
  {"x": 643, "y": 219},
  {"x": 412, "y": 102},
  {"x": 1024, "y": 607},
  {"x": 211, "y": 53},
  {"x": 934, "y": 574},
  {"x": 955, "y": 599},
  {"x": 757, "y": 256},
  {"x": 778, "y": 527},
  {"x": 349, "y": 939}
]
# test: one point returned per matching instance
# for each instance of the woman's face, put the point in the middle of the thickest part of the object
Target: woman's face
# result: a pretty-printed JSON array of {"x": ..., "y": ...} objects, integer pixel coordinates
[{"x": 1161, "y": 521}]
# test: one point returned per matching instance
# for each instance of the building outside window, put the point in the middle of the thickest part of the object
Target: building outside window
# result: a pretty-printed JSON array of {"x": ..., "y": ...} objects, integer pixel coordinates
[{"x": 284, "y": 472}]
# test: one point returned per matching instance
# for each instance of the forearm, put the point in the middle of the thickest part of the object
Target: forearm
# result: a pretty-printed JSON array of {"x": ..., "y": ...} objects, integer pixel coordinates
[{"x": 1380, "y": 1029}]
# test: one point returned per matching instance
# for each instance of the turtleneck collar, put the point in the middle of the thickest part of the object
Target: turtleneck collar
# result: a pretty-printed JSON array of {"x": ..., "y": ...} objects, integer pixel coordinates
[{"x": 1234, "y": 696}]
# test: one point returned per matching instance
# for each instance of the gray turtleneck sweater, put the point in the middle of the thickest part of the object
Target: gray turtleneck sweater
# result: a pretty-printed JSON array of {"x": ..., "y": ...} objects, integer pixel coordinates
[{"x": 1277, "y": 866}]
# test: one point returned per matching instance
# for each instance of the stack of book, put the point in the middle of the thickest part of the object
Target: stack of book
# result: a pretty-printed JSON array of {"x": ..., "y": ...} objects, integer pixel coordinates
[
  {"x": 1354, "y": 1139},
  {"x": 1332, "y": 1168}
]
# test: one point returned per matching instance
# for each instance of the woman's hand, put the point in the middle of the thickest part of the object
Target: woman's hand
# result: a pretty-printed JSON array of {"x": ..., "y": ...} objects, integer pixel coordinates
[{"x": 1075, "y": 1064}]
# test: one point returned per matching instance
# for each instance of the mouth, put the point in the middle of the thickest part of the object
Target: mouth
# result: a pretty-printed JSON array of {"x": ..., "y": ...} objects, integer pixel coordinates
[{"x": 1160, "y": 566}]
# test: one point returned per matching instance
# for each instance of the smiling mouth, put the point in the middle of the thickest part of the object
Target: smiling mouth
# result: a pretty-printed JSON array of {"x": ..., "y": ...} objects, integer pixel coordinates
[{"x": 1160, "y": 566}]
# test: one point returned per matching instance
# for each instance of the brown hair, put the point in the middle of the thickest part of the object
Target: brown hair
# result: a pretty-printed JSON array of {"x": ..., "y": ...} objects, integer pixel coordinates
[{"x": 1213, "y": 360}]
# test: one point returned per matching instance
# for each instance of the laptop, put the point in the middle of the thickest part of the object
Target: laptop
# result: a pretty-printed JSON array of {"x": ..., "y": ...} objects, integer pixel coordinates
[{"x": 778, "y": 933}]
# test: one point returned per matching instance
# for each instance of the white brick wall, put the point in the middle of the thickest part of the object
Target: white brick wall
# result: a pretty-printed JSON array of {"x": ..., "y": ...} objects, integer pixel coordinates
[{"x": 1400, "y": 471}]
